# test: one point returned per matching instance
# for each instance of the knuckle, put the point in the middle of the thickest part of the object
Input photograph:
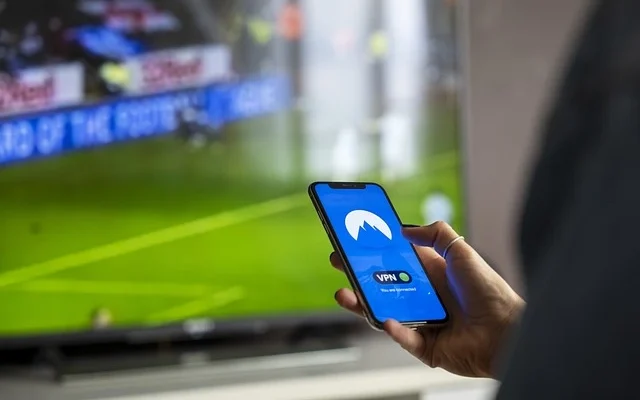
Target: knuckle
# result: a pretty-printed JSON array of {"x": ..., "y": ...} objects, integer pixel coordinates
[{"x": 440, "y": 225}]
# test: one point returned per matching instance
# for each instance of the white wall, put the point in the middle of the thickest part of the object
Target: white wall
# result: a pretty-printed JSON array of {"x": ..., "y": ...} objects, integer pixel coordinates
[{"x": 512, "y": 52}]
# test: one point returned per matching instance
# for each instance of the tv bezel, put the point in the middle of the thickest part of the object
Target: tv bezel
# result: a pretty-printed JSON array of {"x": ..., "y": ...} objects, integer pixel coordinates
[{"x": 178, "y": 331}]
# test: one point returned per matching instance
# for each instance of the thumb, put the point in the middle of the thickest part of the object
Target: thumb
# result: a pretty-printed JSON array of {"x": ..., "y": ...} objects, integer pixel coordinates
[{"x": 440, "y": 237}]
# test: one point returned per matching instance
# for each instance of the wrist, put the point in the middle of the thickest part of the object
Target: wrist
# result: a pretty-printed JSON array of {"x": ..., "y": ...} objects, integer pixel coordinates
[{"x": 503, "y": 332}]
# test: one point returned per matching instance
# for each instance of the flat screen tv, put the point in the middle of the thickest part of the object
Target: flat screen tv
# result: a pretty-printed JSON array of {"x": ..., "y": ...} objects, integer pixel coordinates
[{"x": 154, "y": 154}]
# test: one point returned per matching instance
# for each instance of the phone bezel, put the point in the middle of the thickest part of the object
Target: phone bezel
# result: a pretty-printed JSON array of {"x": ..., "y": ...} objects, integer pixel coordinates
[{"x": 375, "y": 323}]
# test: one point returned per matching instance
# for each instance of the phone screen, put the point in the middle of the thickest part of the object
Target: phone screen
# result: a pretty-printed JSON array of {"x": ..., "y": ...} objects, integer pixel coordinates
[{"x": 387, "y": 270}]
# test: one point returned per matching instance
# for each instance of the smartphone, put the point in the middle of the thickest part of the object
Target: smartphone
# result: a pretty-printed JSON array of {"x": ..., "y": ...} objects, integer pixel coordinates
[{"x": 383, "y": 268}]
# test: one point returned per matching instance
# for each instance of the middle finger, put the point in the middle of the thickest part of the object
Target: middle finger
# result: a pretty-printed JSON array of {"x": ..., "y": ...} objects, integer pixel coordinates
[{"x": 336, "y": 261}]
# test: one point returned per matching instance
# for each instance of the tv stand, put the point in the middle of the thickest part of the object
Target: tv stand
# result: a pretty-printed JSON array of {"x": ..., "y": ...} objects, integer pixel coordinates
[
  {"x": 370, "y": 367},
  {"x": 328, "y": 336},
  {"x": 50, "y": 361},
  {"x": 303, "y": 347}
]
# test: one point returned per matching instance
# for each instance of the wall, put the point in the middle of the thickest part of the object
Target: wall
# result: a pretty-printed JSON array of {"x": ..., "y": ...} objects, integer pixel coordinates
[{"x": 512, "y": 50}]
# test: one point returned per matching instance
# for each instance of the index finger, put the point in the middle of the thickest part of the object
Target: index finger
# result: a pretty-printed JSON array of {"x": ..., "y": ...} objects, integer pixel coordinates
[{"x": 438, "y": 236}]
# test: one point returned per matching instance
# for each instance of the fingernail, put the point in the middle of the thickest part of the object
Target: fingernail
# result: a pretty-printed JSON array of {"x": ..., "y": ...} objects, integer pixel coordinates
[{"x": 410, "y": 226}]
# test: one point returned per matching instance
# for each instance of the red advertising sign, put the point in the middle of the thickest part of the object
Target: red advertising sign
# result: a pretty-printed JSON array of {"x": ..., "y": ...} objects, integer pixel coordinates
[
  {"x": 161, "y": 71},
  {"x": 40, "y": 88},
  {"x": 174, "y": 69}
]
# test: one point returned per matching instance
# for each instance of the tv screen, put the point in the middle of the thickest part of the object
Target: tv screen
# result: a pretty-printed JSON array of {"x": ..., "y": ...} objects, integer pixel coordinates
[{"x": 154, "y": 154}]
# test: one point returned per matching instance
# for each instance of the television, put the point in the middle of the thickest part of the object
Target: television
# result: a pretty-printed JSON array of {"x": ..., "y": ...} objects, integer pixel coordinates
[{"x": 154, "y": 154}]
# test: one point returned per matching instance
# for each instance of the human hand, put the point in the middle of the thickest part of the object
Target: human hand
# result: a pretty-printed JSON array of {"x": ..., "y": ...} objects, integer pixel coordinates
[{"x": 482, "y": 306}]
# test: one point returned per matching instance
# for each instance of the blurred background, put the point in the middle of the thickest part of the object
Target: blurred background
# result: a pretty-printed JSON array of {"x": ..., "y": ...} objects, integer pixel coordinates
[{"x": 157, "y": 240}]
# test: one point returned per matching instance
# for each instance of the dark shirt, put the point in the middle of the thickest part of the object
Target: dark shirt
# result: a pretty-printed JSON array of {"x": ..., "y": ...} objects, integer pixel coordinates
[{"x": 579, "y": 337}]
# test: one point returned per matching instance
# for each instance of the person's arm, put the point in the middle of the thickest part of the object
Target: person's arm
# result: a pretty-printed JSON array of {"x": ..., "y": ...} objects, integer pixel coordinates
[
  {"x": 581, "y": 234},
  {"x": 579, "y": 337}
]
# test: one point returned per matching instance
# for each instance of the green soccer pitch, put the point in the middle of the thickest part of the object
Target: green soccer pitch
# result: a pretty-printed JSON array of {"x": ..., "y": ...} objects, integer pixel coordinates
[{"x": 157, "y": 232}]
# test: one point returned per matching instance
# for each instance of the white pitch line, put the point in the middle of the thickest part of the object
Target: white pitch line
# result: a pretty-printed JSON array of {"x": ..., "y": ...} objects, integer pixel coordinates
[{"x": 163, "y": 236}]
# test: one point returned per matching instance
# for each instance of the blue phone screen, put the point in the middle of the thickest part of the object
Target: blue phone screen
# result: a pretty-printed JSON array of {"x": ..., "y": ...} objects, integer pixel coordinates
[{"x": 390, "y": 276}]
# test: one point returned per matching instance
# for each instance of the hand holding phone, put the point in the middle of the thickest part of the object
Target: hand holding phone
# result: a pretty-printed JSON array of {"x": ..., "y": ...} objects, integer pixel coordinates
[
  {"x": 382, "y": 266},
  {"x": 483, "y": 306}
]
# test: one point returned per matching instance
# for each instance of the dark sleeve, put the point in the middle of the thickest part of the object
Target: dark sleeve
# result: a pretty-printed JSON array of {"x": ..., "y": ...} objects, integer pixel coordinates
[{"x": 579, "y": 337}]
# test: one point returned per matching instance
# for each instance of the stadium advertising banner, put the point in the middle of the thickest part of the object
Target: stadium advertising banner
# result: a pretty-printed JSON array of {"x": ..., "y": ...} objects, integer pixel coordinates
[
  {"x": 134, "y": 118},
  {"x": 247, "y": 99},
  {"x": 173, "y": 69},
  {"x": 41, "y": 88}
]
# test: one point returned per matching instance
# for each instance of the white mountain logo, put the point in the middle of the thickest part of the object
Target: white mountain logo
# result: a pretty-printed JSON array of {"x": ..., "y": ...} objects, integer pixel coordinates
[{"x": 360, "y": 223}]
